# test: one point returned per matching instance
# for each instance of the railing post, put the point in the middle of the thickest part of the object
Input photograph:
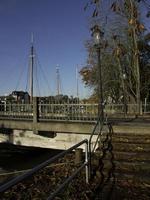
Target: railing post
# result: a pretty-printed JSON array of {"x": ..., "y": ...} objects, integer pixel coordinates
[
  {"x": 35, "y": 114},
  {"x": 87, "y": 171},
  {"x": 78, "y": 155},
  {"x": 11, "y": 137}
]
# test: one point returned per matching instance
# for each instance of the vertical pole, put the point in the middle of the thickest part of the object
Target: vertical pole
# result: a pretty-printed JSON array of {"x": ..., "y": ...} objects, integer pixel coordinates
[
  {"x": 89, "y": 159},
  {"x": 136, "y": 57},
  {"x": 31, "y": 70},
  {"x": 35, "y": 114},
  {"x": 11, "y": 137},
  {"x": 145, "y": 105},
  {"x": 58, "y": 80},
  {"x": 87, "y": 172},
  {"x": 77, "y": 82},
  {"x": 78, "y": 155},
  {"x": 100, "y": 87},
  {"x": 5, "y": 106},
  {"x": 35, "y": 110},
  {"x": 124, "y": 97}
]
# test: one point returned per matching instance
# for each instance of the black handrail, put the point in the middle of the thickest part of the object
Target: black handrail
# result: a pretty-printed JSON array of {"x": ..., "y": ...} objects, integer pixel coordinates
[{"x": 100, "y": 122}]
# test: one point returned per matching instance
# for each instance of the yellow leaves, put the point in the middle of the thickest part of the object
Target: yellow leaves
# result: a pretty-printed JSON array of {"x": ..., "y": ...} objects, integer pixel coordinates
[
  {"x": 119, "y": 50},
  {"x": 138, "y": 26},
  {"x": 141, "y": 27},
  {"x": 132, "y": 21},
  {"x": 85, "y": 73}
]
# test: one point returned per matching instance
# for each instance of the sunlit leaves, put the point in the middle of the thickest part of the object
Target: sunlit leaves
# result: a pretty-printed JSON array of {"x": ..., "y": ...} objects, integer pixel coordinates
[
  {"x": 137, "y": 25},
  {"x": 132, "y": 21},
  {"x": 120, "y": 50},
  {"x": 86, "y": 74},
  {"x": 140, "y": 28},
  {"x": 127, "y": 27}
]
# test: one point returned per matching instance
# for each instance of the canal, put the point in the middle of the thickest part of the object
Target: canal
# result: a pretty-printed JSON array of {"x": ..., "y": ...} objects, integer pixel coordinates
[{"x": 15, "y": 159}]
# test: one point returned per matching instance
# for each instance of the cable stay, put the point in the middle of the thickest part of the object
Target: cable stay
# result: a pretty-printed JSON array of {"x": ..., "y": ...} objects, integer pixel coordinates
[{"x": 34, "y": 82}]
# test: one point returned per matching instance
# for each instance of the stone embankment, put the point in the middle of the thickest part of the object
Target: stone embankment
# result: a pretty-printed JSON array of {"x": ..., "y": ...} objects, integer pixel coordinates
[{"x": 123, "y": 171}]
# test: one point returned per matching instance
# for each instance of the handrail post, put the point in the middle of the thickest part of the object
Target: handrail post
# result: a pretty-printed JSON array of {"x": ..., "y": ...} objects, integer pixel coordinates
[
  {"x": 87, "y": 172},
  {"x": 35, "y": 114},
  {"x": 89, "y": 158}
]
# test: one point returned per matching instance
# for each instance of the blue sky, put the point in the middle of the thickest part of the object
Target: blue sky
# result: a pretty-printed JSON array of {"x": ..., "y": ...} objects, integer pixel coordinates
[{"x": 60, "y": 30}]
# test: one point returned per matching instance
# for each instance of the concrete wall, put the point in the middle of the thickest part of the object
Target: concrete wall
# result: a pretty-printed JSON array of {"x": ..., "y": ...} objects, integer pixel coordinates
[{"x": 60, "y": 141}]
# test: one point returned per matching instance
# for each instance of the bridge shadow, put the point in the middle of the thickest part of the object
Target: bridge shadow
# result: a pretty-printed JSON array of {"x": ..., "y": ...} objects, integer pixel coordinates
[{"x": 5, "y": 130}]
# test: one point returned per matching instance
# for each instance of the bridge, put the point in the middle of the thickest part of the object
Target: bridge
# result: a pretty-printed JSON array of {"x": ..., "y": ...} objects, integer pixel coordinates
[
  {"x": 57, "y": 117},
  {"x": 69, "y": 118},
  {"x": 126, "y": 145},
  {"x": 63, "y": 124}
]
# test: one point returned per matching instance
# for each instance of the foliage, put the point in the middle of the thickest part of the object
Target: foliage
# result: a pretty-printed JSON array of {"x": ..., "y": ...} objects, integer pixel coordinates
[{"x": 122, "y": 69}]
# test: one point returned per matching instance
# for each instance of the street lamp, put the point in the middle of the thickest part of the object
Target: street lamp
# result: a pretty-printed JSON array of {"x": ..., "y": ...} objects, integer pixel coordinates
[{"x": 97, "y": 35}]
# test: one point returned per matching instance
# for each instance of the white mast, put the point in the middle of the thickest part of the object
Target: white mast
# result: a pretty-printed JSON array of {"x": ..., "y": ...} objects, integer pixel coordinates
[
  {"x": 77, "y": 81},
  {"x": 58, "y": 80},
  {"x": 31, "y": 68}
]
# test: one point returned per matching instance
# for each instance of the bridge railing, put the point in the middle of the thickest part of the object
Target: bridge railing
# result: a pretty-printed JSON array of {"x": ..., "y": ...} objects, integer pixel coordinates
[
  {"x": 128, "y": 108},
  {"x": 68, "y": 111},
  {"x": 65, "y": 112},
  {"x": 36, "y": 169},
  {"x": 16, "y": 110}
]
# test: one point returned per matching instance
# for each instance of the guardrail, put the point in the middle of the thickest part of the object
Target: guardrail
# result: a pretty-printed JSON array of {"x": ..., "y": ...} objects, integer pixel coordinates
[
  {"x": 16, "y": 111},
  {"x": 77, "y": 112},
  {"x": 64, "y": 111},
  {"x": 48, "y": 112},
  {"x": 26, "y": 175}
]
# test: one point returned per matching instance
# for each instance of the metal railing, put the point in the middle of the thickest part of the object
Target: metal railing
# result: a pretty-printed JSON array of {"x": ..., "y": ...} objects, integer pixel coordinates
[
  {"x": 16, "y": 111},
  {"x": 48, "y": 112},
  {"x": 26, "y": 175},
  {"x": 66, "y": 112},
  {"x": 98, "y": 125},
  {"x": 77, "y": 112},
  {"x": 130, "y": 108}
]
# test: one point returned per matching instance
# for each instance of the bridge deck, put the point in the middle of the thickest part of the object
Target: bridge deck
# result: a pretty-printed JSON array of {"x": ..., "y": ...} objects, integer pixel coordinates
[{"x": 50, "y": 126}]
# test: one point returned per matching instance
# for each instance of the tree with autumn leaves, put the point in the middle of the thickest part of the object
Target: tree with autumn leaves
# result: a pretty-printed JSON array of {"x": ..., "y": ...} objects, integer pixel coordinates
[{"x": 124, "y": 52}]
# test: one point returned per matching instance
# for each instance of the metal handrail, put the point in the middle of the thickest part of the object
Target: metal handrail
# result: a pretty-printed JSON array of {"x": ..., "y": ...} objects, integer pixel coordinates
[
  {"x": 66, "y": 182},
  {"x": 100, "y": 122},
  {"x": 22, "y": 177}
]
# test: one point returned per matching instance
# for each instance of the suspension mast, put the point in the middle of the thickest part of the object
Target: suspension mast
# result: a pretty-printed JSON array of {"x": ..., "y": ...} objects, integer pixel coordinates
[
  {"x": 58, "y": 80},
  {"x": 77, "y": 81},
  {"x": 31, "y": 69}
]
